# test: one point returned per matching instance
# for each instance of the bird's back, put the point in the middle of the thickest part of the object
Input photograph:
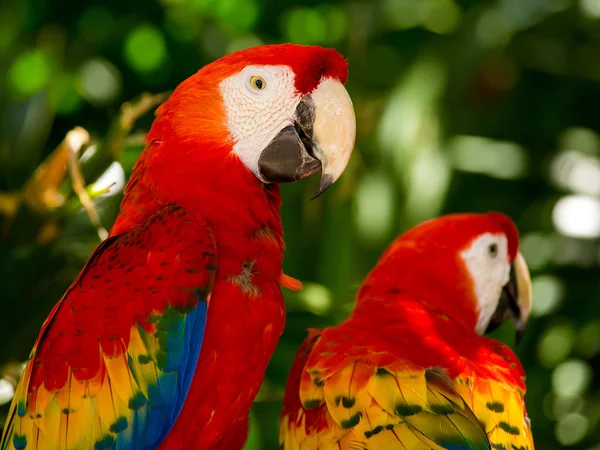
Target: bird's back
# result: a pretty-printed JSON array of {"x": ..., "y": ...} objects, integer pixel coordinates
[{"x": 416, "y": 380}]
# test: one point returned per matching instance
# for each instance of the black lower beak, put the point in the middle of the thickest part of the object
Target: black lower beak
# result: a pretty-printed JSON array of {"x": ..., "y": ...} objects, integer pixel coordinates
[
  {"x": 286, "y": 159},
  {"x": 508, "y": 308},
  {"x": 290, "y": 155}
]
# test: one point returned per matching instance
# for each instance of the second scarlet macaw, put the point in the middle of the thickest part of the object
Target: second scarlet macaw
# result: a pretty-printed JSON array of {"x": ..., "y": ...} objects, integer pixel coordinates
[
  {"x": 163, "y": 339},
  {"x": 409, "y": 368}
]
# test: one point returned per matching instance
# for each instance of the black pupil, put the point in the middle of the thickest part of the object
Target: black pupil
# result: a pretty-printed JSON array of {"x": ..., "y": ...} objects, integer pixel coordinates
[
  {"x": 258, "y": 83},
  {"x": 493, "y": 249}
]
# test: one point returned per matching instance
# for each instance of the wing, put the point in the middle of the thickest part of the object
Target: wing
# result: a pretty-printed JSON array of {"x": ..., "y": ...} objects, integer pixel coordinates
[
  {"x": 499, "y": 400},
  {"x": 115, "y": 358},
  {"x": 375, "y": 400}
]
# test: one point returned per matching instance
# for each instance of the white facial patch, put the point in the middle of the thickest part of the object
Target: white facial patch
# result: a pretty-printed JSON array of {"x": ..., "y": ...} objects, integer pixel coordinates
[
  {"x": 490, "y": 271},
  {"x": 255, "y": 116}
]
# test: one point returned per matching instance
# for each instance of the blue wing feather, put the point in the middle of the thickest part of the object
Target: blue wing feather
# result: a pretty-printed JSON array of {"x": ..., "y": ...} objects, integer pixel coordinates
[
  {"x": 135, "y": 398},
  {"x": 174, "y": 385}
]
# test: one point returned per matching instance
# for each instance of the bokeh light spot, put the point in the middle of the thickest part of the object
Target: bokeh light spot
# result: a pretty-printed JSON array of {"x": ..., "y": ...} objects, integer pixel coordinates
[
  {"x": 493, "y": 28},
  {"x": 565, "y": 404},
  {"x": 402, "y": 14},
  {"x": 537, "y": 248},
  {"x": 6, "y": 391},
  {"x": 145, "y": 48},
  {"x": 555, "y": 345},
  {"x": 572, "y": 429},
  {"x": 548, "y": 292},
  {"x": 306, "y": 26},
  {"x": 316, "y": 297},
  {"x": 590, "y": 8},
  {"x": 498, "y": 159},
  {"x": 576, "y": 171},
  {"x": 408, "y": 124},
  {"x": 574, "y": 251},
  {"x": 577, "y": 216},
  {"x": 374, "y": 207},
  {"x": 428, "y": 181},
  {"x": 337, "y": 23},
  {"x": 100, "y": 81},
  {"x": 440, "y": 16},
  {"x": 241, "y": 15},
  {"x": 29, "y": 73},
  {"x": 582, "y": 139},
  {"x": 588, "y": 340},
  {"x": 571, "y": 377}
]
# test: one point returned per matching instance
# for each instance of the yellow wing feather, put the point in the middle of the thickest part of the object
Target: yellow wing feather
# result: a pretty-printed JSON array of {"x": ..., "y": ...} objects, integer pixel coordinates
[{"x": 402, "y": 406}]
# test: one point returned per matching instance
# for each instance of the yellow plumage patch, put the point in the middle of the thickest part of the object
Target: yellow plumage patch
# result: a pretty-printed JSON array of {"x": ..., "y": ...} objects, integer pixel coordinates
[
  {"x": 501, "y": 409},
  {"x": 361, "y": 406},
  {"x": 90, "y": 409}
]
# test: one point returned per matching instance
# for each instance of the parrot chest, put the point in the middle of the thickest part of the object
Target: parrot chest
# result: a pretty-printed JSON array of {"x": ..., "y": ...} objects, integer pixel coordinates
[{"x": 246, "y": 317}]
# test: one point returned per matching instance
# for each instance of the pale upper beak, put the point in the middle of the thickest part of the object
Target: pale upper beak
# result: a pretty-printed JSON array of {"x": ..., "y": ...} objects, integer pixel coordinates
[
  {"x": 321, "y": 138},
  {"x": 515, "y": 302}
]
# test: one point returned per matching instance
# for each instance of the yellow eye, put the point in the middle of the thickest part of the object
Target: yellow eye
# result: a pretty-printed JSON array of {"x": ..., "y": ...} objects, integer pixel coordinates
[{"x": 258, "y": 83}]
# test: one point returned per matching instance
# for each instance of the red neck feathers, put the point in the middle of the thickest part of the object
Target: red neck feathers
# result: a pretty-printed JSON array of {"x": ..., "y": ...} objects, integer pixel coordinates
[
  {"x": 189, "y": 160},
  {"x": 436, "y": 280},
  {"x": 424, "y": 265}
]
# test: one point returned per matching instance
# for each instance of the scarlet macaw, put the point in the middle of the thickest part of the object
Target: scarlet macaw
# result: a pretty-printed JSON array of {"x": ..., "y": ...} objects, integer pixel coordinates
[
  {"x": 163, "y": 339},
  {"x": 409, "y": 368}
]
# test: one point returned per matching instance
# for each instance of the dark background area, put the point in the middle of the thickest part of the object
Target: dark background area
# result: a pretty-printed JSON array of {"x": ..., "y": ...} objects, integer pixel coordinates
[{"x": 461, "y": 106}]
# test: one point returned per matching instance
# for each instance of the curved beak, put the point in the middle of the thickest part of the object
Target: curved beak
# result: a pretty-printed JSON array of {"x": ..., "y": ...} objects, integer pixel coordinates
[
  {"x": 515, "y": 301},
  {"x": 320, "y": 138}
]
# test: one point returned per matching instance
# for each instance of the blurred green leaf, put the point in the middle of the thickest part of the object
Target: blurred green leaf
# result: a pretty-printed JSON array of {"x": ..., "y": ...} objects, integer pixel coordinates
[
  {"x": 30, "y": 73},
  {"x": 306, "y": 26},
  {"x": 145, "y": 48}
]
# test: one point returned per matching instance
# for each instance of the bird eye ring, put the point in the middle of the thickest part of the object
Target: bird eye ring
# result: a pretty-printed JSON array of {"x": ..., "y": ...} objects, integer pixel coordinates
[
  {"x": 258, "y": 83},
  {"x": 493, "y": 250}
]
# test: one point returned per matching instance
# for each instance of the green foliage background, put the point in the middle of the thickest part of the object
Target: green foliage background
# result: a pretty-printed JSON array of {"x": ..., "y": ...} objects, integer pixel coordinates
[{"x": 462, "y": 105}]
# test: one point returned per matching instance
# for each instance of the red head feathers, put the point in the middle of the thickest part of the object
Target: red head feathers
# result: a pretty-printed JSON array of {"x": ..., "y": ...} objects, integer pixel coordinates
[
  {"x": 456, "y": 231},
  {"x": 310, "y": 63},
  {"x": 264, "y": 115},
  {"x": 461, "y": 264}
]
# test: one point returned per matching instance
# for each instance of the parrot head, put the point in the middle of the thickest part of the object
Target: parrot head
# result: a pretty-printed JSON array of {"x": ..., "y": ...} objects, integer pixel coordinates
[
  {"x": 467, "y": 264},
  {"x": 280, "y": 111}
]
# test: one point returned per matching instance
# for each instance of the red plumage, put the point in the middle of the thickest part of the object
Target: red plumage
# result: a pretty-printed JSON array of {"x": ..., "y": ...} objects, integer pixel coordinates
[
  {"x": 147, "y": 266},
  {"x": 414, "y": 321},
  {"x": 188, "y": 142},
  {"x": 438, "y": 273}
]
